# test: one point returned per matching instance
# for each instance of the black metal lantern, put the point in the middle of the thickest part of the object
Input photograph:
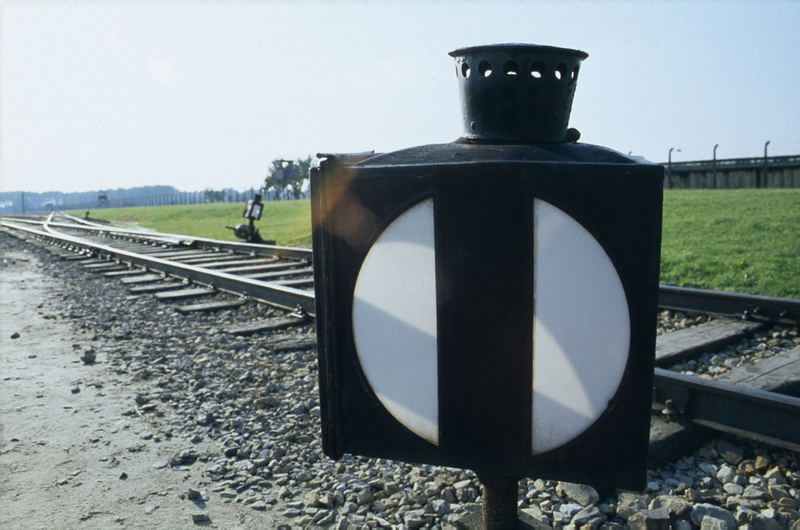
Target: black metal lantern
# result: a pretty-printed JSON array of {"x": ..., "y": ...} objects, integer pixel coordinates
[
  {"x": 252, "y": 208},
  {"x": 491, "y": 303},
  {"x": 252, "y": 212}
]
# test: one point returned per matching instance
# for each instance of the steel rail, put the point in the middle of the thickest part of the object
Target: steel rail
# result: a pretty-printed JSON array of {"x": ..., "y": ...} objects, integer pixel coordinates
[
  {"x": 753, "y": 307},
  {"x": 769, "y": 308},
  {"x": 153, "y": 236},
  {"x": 238, "y": 247},
  {"x": 85, "y": 223},
  {"x": 241, "y": 248},
  {"x": 26, "y": 220},
  {"x": 171, "y": 239},
  {"x": 269, "y": 292},
  {"x": 79, "y": 220},
  {"x": 755, "y": 414},
  {"x": 670, "y": 297}
]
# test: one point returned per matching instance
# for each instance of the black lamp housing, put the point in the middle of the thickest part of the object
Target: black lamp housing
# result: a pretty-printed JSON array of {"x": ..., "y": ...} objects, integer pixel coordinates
[
  {"x": 517, "y": 149},
  {"x": 252, "y": 208}
]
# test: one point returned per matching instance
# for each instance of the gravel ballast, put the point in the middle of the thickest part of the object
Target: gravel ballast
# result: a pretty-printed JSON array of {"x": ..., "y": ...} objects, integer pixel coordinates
[{"x": 246, "y": 416}]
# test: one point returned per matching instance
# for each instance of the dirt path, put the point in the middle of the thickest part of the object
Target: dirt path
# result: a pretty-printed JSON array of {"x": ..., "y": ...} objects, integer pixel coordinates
[{"x": 70, "y": 457}]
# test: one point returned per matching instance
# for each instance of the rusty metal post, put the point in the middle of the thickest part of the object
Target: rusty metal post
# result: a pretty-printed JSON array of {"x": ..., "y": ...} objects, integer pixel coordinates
[{"x": 499, "y": 495}]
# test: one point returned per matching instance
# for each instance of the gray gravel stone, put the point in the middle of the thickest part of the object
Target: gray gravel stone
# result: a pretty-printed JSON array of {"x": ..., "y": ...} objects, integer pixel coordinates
[
  {"x": 775, "y": 476},
  {"x": 731, "y": 453},
  {"x": 759, "y": 522},
  {"x": 440, "y": 507},
  {"x": 755, "y": 492},
  {"x": 534, "y": 512},
  {"x": 708, "y": 468},
  {"x": 590, "y": 515},
  {"x": 570, "y": 509},
  {"x": 712, "y": 523},
  {"x": 630, "y": 503},
  {"x": 726, "y": 474},
  {"x": 658, "y": 519},
  {"x": 700, "y": 511},
  {"x": 676, "y": 505},
  {"x": 89, "y": 357},
  {"x": 413, "y": 519},
  {"x": 561, "y": 518},
  {"x": 733, "y": 489},
  {"x": 778, "y": 491},
  {"x": 745, "y": 515},
  {"x": 364, "y": 497},
  {"x": 583, "y": 494}
]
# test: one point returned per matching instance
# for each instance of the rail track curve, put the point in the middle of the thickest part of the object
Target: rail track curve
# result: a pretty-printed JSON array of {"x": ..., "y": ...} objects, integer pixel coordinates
[{"x": 176, "y": 266}]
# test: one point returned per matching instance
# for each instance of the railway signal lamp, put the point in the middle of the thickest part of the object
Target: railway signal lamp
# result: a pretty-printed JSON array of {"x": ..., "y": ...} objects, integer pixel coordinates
[
  {"x": 249, "y": 232},
  {"x": 491, "y": 303},
  {"x": 252, "y": 208}
]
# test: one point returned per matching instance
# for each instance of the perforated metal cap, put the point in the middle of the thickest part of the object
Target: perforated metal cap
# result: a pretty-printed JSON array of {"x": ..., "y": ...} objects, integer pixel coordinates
[{"x": 517, "y": 93}]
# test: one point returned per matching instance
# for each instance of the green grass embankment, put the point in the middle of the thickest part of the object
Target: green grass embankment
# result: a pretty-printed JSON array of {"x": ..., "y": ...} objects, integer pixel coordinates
[
  {"x": 287, "y": 222},
  {"x": 745, "y": 240},
  {"x": 733, "y": 240}
]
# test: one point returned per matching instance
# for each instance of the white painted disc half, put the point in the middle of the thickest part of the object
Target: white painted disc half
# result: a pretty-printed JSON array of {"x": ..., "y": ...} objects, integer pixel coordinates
[
  {"x": 581, "y": 329},
  {"x": 394, "y": 321}
]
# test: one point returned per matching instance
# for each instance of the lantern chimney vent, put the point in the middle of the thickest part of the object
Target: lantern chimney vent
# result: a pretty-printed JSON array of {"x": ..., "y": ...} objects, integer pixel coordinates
[{"x": 517, "y": 93}]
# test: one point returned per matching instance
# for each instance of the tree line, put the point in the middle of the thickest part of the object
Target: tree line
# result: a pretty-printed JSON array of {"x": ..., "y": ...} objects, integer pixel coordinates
[{"x": 285, "y": 179}]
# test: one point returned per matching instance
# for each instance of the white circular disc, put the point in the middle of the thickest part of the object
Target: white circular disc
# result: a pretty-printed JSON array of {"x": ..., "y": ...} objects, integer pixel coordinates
[
  {"x": 581, "y": 329},
  {"x": 394, "y": 321}
]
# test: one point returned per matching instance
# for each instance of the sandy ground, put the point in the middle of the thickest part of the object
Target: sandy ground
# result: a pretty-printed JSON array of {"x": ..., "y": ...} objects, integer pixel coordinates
[{"x": 69, "y": 456}]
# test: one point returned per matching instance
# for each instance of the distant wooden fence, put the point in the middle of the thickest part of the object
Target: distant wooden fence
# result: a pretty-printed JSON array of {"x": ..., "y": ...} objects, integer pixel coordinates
[{"x": 770, "y": 172}]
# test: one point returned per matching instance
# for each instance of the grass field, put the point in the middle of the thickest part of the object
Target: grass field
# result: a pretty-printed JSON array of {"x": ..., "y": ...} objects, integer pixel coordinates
[
  {"x": 287, "y": 222},
  {"x": 734, "y": 240}
]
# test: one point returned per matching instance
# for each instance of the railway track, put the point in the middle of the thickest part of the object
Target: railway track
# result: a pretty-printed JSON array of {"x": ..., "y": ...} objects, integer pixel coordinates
[
  {"x": 707, "y": 382},
  {"x": 749, "y": 401},
  {"x": 180, "y": 267}
]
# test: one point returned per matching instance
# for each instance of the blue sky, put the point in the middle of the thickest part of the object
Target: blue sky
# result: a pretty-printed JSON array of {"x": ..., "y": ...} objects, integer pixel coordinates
[{"x": 206, "y": 94}]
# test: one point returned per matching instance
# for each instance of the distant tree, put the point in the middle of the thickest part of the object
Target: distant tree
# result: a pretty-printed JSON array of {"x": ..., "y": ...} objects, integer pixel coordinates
[
  {"x": 282, "y": 173},
  {"x": 212, "y": 195}
]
